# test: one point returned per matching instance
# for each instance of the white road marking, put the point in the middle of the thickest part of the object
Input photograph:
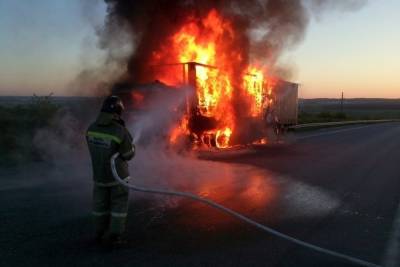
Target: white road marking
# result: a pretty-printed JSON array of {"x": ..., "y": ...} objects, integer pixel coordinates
[
  {"x": 392, "y": 253},
  {"x": 331, "y": 132}
]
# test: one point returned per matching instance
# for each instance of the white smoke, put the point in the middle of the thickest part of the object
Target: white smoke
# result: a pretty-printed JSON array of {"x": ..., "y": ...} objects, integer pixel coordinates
[{"x": 163, "y": 111}]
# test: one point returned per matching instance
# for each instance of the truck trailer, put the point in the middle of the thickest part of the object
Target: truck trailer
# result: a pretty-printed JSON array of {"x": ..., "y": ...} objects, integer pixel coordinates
[{"x": 280, "y": 102}]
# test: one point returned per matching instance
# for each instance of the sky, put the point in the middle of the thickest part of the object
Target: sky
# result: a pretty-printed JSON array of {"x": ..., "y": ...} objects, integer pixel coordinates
[{"x": 45, "y": 44}]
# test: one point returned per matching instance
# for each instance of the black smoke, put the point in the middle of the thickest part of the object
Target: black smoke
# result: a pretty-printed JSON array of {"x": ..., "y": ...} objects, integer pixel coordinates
[{"x": 265, "y": 27}]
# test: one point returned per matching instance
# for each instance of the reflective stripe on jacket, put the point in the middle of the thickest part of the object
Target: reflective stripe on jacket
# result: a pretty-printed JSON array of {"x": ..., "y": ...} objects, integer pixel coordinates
[{"x": 106, "y": 136}]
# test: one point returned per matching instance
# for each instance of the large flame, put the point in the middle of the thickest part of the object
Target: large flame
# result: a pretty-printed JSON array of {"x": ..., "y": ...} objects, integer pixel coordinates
[
  {"x": 209, "y": 44},
  {"x": 253, "y": 84}
]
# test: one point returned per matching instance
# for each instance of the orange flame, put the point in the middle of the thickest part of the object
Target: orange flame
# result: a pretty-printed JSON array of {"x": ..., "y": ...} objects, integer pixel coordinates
[
  {"x": 181, "y": 129},
  {"x": 210, "y": 43},
  {"x": 253, "y": 83}
]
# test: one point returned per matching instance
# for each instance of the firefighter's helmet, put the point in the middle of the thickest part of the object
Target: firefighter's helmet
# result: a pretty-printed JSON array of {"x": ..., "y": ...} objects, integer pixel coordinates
[{"x": 113, "y": 104}]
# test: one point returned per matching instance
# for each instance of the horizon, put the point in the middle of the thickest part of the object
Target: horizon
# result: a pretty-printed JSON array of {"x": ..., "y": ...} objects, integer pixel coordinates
[{"x": 101, "y": 96}]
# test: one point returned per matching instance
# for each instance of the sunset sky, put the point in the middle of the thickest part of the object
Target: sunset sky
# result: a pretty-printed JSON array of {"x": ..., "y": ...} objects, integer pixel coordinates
[{"x": 45, "y": 44}]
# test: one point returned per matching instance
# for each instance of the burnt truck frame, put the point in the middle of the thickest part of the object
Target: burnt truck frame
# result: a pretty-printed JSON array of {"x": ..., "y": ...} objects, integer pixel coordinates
[{"x": 284, "y": 97}]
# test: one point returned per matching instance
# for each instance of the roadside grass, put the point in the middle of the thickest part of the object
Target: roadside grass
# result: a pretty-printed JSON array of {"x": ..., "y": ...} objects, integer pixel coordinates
[
  {"x": 335, "y": 110},
  {"x": 306, "y": 117},
  {"x": 19, "y": 124},
  {"x": 352, "y": 115}
]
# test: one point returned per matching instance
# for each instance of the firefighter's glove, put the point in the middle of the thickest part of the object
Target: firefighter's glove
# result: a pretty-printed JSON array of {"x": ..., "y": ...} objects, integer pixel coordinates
[{"x": 130, "y": 154}]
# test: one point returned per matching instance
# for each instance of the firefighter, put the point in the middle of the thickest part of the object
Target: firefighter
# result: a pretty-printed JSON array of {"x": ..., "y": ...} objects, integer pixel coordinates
[{"x": 105, "y": 137}]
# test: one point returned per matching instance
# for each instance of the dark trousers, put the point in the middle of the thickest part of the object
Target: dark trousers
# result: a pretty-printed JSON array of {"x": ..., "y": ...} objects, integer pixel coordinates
[{"x": 110, "y": 207}]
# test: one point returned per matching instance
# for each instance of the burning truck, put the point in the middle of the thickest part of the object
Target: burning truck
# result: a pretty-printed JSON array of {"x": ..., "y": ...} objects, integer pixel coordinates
[
  {"x": 228, "y": 101},
  {"x": 200, "y": 125}
]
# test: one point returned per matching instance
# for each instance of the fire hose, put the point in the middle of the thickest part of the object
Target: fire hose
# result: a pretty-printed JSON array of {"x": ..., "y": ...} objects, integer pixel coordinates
[{"x": 124, "y": 182}]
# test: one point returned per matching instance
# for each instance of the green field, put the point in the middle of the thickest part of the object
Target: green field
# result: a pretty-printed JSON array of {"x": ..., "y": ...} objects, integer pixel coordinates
[
  {"x": 27, "y": 122},
  {"x": 329, "y": 110},
  {"x": 19, "y": 123}
]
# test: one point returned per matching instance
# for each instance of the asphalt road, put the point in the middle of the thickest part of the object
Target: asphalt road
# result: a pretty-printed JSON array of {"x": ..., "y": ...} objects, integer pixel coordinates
[{"x": 336, "y": 188}]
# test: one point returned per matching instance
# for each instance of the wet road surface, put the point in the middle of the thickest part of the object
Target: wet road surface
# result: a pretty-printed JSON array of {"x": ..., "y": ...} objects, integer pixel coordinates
[{"x": 336, "y": 188}]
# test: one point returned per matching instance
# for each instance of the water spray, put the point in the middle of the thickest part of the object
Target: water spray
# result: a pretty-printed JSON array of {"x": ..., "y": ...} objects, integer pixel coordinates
[{"x": 124, "y": 182}]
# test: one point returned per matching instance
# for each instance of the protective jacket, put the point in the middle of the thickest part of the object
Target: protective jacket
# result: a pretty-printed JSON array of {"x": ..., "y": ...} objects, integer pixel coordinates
[{"x": 106, "y": 136}]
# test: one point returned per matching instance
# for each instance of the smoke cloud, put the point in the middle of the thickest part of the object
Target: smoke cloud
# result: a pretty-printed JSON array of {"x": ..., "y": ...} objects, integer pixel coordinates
[
  {"x": 319, "y": 6},
  {"x": 160, "y": 116},
  {"x": 264, "y": 28},
  {"x": 132, "y": 30}
]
